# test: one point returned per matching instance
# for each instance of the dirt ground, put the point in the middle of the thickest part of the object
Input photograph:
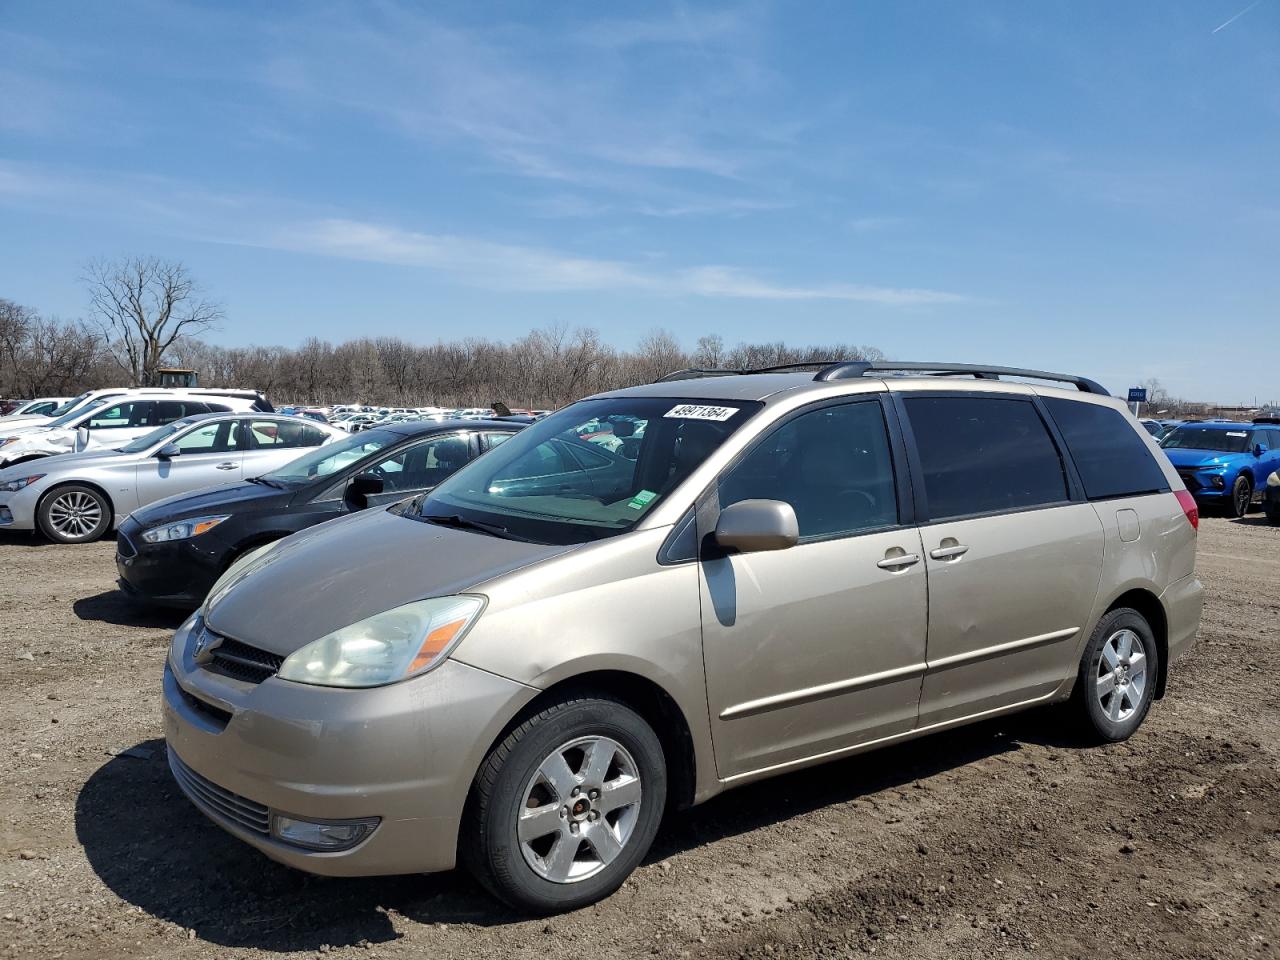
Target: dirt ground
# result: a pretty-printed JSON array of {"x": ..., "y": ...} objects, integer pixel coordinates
[{"x": 1006, "y": 838}]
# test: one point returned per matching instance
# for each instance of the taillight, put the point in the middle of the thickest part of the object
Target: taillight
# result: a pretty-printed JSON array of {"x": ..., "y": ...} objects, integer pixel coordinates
[{"x": 1189, "y": 507}]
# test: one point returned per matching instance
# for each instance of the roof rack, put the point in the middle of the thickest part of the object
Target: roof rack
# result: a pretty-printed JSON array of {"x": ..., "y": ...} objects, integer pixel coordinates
[{"x": 854, "y": 369}]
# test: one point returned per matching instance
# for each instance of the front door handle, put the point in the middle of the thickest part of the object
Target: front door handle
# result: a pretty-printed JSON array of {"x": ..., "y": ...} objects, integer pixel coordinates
[
  {"x": 899, "y": 562},
  {"x": 226, "y": 466},
  {"x": 949, "y": 552}
]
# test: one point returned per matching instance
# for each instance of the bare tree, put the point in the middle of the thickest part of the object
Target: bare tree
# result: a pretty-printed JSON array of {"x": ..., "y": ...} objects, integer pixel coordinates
[{"x": 144, "y": 305}]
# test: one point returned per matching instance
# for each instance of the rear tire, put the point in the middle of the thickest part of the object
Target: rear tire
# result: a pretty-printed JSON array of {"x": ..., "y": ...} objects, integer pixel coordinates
[
  {"x": 1241, "y": 496},
  {"x": 74, "y": 513},
  {"x": 1117, "y": 678},
  {"x": 596, "y": 771}
]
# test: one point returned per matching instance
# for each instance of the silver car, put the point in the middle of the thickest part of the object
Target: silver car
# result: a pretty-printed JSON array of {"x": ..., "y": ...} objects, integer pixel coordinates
[
  {"x": 78, "y": 497},
  {"x": 528, "y": 665}
]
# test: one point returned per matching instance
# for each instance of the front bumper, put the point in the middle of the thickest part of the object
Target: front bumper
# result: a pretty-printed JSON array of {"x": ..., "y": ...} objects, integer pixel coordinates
[
  {"x": 406, "y": 753},
  {"x": 18, "y": 510},
  {"x": 175, "y": 574}
]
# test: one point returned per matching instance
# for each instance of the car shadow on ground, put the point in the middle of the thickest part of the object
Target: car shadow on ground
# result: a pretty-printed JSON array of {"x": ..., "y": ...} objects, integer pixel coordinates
[
  {"x": 113, "y": 606},
  {"x": 1252, "y": 520},
  {"x": 153, "y": 849}
]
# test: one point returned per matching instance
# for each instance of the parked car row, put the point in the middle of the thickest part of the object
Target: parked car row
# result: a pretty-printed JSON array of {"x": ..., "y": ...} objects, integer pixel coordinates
[
  {"x": 1228, "y": 465},
  {"x": 650, "y": 597}
]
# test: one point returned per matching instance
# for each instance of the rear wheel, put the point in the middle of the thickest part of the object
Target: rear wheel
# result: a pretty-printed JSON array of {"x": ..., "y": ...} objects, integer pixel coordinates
[
  {"x": 1117, "y": 678},
  {"x": 74, "y": 513},
  {"x": 566, "y": 806},
  {"x": 1241, "y": 496}
]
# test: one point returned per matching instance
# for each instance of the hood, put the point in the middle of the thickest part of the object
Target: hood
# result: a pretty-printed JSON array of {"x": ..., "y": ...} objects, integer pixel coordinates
[
  {"x": 347, "y": 569},
  {"x": 1199, "y": 459},
  {"x": 23, "y": 422},
  {"x": 36, "y": 441},
  {"x": 228, "y": 498}
]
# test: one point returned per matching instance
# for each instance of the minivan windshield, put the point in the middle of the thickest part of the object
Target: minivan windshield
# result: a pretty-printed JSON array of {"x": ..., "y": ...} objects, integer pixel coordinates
[
  {"x": 69, "y": 405},
  {"x": 590, "y": 471},
  {"x": 333, "y": 457},
  {"x": 1225, "y": 439}
]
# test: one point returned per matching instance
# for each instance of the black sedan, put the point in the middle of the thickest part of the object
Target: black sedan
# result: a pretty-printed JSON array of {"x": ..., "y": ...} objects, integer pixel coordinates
[{"x": 172, "y": 551}]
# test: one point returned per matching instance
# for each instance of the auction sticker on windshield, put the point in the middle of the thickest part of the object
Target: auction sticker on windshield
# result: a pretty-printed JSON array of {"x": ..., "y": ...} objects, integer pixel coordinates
[{"x": 693, "y": 411}]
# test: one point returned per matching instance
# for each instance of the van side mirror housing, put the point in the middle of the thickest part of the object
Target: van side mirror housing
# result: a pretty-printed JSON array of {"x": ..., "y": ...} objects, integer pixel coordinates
[
  {"x": 754, "y": 526},
  {"x": 360, "y": 489},
  {"x": 169, "y": 451},
  {"x": 1259, "y": 449}
]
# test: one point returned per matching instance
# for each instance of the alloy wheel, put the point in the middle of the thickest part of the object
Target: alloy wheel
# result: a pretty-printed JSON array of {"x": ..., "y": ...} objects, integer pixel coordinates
[
  {"x": 579, "y": 809},
  {"x": 75, "y": 514},
  {"x": 1121, "y": 675}
]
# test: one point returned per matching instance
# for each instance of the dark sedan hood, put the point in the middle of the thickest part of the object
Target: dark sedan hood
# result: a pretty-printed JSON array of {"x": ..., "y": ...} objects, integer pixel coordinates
[
  {"x": 230, "y": 498},
  {"x": 339, "y": 572}
]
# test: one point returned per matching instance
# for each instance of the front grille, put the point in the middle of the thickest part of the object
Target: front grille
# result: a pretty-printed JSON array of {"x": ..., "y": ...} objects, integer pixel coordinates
[
  {"x": 243, "y": 662},
  {"x": 124, "y": 546},
  {"x": 1189, "y": 479},
  {"x": 216, "y": 714},
  {"x": 218, "y": 802}
]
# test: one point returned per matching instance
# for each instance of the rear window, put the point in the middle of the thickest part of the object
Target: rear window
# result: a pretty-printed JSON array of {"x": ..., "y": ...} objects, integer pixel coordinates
[
  {"x": 1111, "y": 458},
  {"x": 984, "y": 455}
]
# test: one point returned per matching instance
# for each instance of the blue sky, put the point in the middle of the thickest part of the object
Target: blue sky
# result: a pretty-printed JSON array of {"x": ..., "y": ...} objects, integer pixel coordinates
[{"x": 1087, "y": 186}]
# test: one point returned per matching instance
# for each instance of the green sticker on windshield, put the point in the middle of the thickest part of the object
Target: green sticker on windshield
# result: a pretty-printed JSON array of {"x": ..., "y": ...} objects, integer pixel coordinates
[{"x": 641, "y": 499}]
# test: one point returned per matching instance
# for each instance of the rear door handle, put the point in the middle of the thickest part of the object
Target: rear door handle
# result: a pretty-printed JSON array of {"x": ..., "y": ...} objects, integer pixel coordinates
[
  {"x": 899, "y": 562},
  {"x": 226, "y": 466},
  {"x": 947, "y": 553}
]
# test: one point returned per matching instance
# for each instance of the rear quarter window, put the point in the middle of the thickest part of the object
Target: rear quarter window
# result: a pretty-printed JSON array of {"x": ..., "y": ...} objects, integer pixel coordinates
[{"x": 1111, "y": 458}]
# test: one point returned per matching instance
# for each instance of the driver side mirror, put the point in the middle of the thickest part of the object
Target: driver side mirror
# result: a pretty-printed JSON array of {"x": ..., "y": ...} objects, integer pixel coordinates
[
  {"x": 360, "y": 489},
  {"x": 168, "y": 451},
  {"x": 1259, "y": 449},
  {"x": 82, "y": 439},
  {"x": 753, "y": 526}
]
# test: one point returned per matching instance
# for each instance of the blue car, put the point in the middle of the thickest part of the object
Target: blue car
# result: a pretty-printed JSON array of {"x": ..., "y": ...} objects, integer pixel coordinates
[{"x": 1223, "y": 463}]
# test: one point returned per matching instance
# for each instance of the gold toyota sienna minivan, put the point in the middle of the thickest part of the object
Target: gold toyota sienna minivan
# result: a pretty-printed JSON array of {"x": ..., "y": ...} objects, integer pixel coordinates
[{"x": 659, "y": 593}]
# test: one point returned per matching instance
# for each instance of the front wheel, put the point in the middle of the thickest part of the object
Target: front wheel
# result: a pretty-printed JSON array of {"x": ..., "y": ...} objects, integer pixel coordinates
[
  {"x": 1241, "y": 496},
  {"x": 1117, "y": 678},
  {"x": 565, "y": 807},
  {"x": 74, "y": 513}
]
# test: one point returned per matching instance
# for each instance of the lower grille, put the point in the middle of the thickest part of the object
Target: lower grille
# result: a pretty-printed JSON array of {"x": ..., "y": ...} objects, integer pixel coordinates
[
  {"x": 1189, "y": 479},
  {"x": 216, "y": 714},
  {"x": 219, "y": 803},
  {"x": 243, "y": 662}
]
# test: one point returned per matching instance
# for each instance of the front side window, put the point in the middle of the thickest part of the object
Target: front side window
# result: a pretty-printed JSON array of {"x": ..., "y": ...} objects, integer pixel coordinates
[
  {"x": 1112, "y": 460},
  {"x": 575, "y": 477},
  {"x": 423, "y": 464},
  {"x": 121, "y": 416},
  {"x": 984, "y": 455},
  {"x": 832, "y": 465},
  {"x": 221, "y": 437}
]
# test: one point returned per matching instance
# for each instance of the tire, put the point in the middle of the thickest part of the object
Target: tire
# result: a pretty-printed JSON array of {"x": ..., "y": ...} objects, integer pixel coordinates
[
  {"x": 1273, "y": 512},
  {"x": 610, "y": 755},
  {"x": 1120, "y": 637},
  {"x": 1241, "y": 496},
  {"x": 74, "y": 513}
]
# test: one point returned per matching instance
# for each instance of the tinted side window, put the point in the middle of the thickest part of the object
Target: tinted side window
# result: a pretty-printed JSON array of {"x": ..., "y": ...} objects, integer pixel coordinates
[
  {"x": 167, "y": 411},
  {"x": 984, "y": 455},
  {"x": 274, "y": 434},
  {"x": 132, "y": 414},
  {"x": 832, "y": 465},
  {"x": 1112, "y": 459}
]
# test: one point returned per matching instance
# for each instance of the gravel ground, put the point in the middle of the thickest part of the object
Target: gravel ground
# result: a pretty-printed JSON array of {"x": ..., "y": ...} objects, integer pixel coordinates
[{"x": 1005, "y": 838}]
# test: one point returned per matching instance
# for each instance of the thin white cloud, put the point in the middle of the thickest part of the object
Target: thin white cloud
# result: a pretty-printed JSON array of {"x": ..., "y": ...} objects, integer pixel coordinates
[
  {"x": 538, "y": 269},
  {"x": 1230, "y": 20}
]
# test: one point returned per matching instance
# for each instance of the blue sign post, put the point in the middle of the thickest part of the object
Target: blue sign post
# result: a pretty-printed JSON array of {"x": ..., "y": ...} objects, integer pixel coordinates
[{"x": 1137, "y": 396}]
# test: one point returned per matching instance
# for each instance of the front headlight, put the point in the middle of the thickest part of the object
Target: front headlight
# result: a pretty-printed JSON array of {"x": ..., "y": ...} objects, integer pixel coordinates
[
  {"x": 386, "y": 647},
  {"x": 1274, "y": 480},
  {"x": 182, "y": 530},
  {"x": 8, "y": 440},
  {"x": 13, "y": 486}
]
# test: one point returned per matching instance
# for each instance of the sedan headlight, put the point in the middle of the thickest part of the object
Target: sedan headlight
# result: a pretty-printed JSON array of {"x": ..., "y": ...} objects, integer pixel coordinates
[
  {"x": 13, "y": 486},
  {"x": 182, "y": 530},
  {"x": 7, "y": 440},
  {"x": 386, "y": 647}
]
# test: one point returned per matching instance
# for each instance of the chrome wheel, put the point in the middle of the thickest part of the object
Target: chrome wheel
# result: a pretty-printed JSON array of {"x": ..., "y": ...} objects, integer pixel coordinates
[
  {"x": 75, "y": 514},
  {"x": 579, "y": 809},
  {"x": 1121, "y": 675}
]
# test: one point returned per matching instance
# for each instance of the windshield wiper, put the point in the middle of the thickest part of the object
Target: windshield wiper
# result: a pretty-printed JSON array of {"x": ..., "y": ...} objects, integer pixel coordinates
[
  {"x": 463, "y": 523},
  {"x": 268, "y": 483}
]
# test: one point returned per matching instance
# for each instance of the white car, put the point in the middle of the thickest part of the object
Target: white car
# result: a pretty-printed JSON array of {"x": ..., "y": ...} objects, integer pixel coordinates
[
  {"x": 110, "y": 421},
  {"x": 40, "y": 407},
  {"x": 78, "y": 497}
]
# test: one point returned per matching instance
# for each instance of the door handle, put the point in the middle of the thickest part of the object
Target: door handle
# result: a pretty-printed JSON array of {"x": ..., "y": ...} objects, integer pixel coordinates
[
  {"x": 900, "y": 562},
  {"x": 226, "y": 466},
  {"x": 949, "y": 552}
]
